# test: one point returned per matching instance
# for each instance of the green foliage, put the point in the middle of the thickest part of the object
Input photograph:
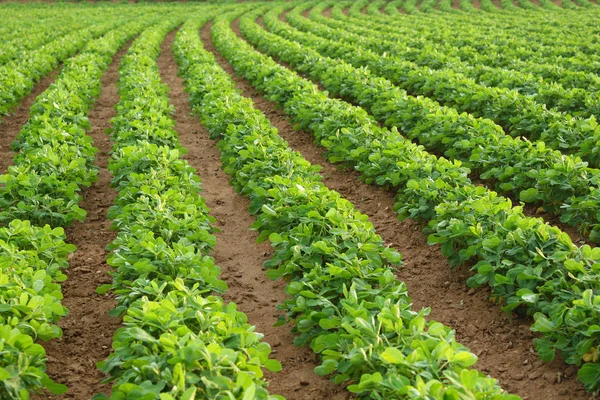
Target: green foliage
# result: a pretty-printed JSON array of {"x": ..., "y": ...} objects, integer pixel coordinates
[
  {"x": 179, "y": 341},
  {"x": 344, "y": 300},
  {"x": 531, "y": 267}
]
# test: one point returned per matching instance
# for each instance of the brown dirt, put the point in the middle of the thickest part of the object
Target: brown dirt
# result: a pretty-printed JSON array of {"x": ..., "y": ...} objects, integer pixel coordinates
[
  {"x": 327, "y": 12},
  {"x": 503, "y": 343},
  {"x": 498, "y": 3},
  {"x": 346, "y": 10},
  {"x": 557, "y": 2},
  {"x": 536, "y": 2},
  {"x": 476, "y": 4},
  {"x": 237, "y": 253},
  {"x": 11, "y": 125},
  {"x": 88, "y": 330},
  {"x": 456, "y": 4}
]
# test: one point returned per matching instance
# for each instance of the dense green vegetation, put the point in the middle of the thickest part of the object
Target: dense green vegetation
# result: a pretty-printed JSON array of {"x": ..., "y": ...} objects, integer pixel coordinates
[{"x": 445, "y": 103}]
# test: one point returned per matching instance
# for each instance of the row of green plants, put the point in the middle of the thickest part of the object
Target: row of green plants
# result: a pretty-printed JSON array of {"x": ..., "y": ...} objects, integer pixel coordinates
[
  {"x": 34, "y": 33},
  {"x": 179, "y": 339},
  {"x": 480, "y": 49},
  {"x": 344, "y": 300},
  {"x": 517, "y": 114},
  {"x": 32, "y": 260},
  {"x": 564, "y": 37},
  {"x": 439, "y": 59},
  {"x": 531, "y": 267},
  {"x": 38, "y": 196},
  {"x": 531, "y": 172},
  {"x": 18, "y": 76},
  {"x": 539, "y": 37}
]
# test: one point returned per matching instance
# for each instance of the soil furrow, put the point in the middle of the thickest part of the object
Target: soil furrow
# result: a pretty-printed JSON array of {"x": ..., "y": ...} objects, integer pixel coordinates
[
  {"x": 88, "y": 329},
  {"x": 239, "y": 256},
  {"x": 11, "y": 125},
  {"x": 504, "y": 344}
]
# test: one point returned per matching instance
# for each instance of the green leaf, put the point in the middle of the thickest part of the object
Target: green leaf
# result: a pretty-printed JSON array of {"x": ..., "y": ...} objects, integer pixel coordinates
[
  {"x": 250, "y": 392},
  {"x": 464, "y": 358},
  {"x": 189, "y": 394},
  {"x": 392, "y": 355},
  {"x": 542, "y": 324},
  {"x": 4, "y": 375},
  {"x": 275, "y": 238},
  {"x": 103, "y": 289},
  {"x": 326, "y": 368},
  {"x": 530, "y": 195},
  {"x": 53, "y": 387},
  {"x": 273, "y": 365},
  {"x": 589, "y": 374},
  {"x": 268, "y": 210}
]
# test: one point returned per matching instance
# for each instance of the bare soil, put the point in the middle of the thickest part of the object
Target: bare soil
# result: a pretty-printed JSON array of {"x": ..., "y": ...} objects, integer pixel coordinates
[
  {"x": 536, "y": 2},
  {"x": 456, "y": 4},
  {"x": 503, "y": 343},
  {"x": 87, "y": 329},
  {"x": 11, "y": 125},
  {"x": 476, "y": 4},
  {"x": 237, "y": 253}
]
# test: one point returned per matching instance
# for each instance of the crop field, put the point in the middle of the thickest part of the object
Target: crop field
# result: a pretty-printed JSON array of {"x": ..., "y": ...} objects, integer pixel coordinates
[{"x": 300, "y": 200}]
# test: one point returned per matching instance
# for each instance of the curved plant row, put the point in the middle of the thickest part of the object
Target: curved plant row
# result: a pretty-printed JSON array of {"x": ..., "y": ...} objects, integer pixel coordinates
[
  {"x": 17, "y": 77},
  {"x": 179, "y": 340},
  {"x": 518, "y": 114},
  {"x": 529, "y": 171},
  {"x": 40, "y": 31},
  {"x": 420, "y": 54},
  {"x": 55, "y": 161},
  {"x": 472, "y": 45},
  {"x": 530, "y": 266},
  {"x": 344, "y": 299},
  {"x": 495, "y": 35}
]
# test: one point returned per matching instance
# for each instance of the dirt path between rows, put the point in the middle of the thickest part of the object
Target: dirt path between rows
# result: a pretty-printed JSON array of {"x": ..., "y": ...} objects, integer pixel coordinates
[
  {"x": 503, "y": 344},
  {"x": 239, "y": 256},
  {"x": 11, "y": 125},
  {"x": 88, "y": 330}
]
